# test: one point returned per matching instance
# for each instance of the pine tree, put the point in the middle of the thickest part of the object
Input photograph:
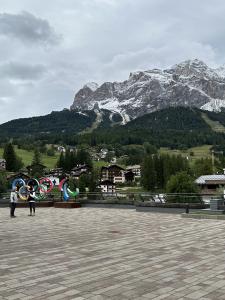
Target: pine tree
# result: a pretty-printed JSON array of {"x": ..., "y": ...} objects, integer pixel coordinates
[
  {"x": 68, "y": 165},
  {"x": 61, "y": 161},
  {"x": 13, "y": 163},
  {"x": 158, "y": 160},
  {"x": 36, "y": 170},
  {"x": 83, "y": 157},
  {"x": 149, "y": 173},
  {"x": 37, "y": 157},
  {"x": 167, "y": 168}
]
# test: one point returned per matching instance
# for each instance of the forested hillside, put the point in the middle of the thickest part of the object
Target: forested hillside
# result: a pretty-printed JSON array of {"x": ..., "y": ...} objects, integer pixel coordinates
[
  {"x": 173, "y": 118},
  {"x": 174, "y": 127},
  {"x": 56, "y": 122}
]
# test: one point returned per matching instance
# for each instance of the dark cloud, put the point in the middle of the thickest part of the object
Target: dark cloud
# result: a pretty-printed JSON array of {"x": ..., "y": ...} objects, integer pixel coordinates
[
  {"x": 27, "y": 28},
  {"x": 22, "y": 71}
]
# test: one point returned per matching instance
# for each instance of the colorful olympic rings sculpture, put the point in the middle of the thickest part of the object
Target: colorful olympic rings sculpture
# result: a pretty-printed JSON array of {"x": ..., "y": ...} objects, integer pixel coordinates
[
  {"x": 34, "y": 183},
  {"x": 63, "y": 187},
  {"x": 47, "y": 182},
  {"x": 40, "y": 188},
  {"x": 18, "y": 182}
]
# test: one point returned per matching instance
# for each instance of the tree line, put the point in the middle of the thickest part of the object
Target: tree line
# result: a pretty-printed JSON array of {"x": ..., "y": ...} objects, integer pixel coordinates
[
  {"x": 174, "y": 174},
  {"x": 70, "y": 159}
]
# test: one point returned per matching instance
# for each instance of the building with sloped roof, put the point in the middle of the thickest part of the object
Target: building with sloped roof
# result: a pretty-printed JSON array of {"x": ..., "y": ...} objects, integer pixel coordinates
[{"x": 209, "y": 184}]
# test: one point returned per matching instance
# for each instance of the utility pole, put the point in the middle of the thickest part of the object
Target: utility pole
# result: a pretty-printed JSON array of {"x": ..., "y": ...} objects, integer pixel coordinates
[{"x": 213, "y": 162}]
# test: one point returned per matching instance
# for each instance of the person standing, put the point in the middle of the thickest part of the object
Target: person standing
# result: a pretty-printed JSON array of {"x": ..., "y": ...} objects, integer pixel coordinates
[
  {"x": 31, "y": 200},
  {"x": 13, "y": 201}
]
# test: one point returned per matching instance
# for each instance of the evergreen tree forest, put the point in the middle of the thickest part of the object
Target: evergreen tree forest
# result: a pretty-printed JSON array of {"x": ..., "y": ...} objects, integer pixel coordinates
[
  {"x": 173, "y": 127},
  {"x": 157, "y": 169},
  {"x": 70, "y": 159}
]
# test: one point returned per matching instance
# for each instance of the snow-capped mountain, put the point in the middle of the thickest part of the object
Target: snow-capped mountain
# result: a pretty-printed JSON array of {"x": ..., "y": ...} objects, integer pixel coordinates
[{"x": 190, "y": 83}]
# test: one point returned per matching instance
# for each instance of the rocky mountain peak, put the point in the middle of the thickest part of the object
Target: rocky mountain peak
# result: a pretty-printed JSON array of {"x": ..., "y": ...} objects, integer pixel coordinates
[
  {"x": 91, "y": 85},
  {"x": 189, "y": 83},
  {"x": 193, "y": 67}
]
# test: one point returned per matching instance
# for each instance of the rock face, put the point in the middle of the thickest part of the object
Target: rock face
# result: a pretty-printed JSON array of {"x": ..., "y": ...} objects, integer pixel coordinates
[{"x": 190, "y": 83}]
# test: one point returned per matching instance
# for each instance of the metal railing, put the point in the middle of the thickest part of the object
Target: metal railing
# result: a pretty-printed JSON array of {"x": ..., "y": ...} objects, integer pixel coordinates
[{"x": 126, "y": 197}]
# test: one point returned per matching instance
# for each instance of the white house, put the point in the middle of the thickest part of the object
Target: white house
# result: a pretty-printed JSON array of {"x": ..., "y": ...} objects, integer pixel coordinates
[
  {"x": 2, "y": 164},
  {"x": 107, "y": 186},
  {"x": 136, "y": 169},
  {"x": 103, "y": 153},
  {"x": 61, "y": 149}
]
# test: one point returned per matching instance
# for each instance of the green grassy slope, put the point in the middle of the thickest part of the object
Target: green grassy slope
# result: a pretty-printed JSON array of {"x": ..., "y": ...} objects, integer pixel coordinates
[
  {"x": 27, "y": 156},
  {"x": 215, "y": 125}
]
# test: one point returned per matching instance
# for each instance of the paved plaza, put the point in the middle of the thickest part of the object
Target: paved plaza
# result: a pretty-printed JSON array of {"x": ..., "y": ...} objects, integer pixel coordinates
[{"x": 100, "y": 253}]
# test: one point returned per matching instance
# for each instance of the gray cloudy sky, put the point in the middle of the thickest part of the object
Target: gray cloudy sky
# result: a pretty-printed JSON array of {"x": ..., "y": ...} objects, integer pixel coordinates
[{"x": 50, "y": 49}]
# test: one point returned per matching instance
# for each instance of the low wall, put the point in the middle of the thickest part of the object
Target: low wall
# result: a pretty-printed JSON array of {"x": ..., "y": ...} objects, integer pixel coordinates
[
  {"x": 176, "y": 208},
  {"x": 166, "y": 210},
  {"x": 67, "y": 204},
  {"x": 108, "y": 205},
  {"x": 107, "y": 202},
  {"x": 38, "y": 204},
  {"x": 25, "y": 204},
  {"x": 172, "y": 205}
]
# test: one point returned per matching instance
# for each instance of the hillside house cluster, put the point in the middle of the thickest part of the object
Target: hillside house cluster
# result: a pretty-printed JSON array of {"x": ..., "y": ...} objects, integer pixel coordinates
[
  {"x": 104, "y": 154},
  {"x": 114, "y": 174},
  {"x": 55, "y": 175},
  {"x": 77, "y": 171}
]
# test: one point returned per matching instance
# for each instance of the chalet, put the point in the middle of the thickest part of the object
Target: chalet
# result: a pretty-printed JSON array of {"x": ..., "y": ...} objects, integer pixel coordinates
[
  {"x": 136, "y": 169},
  {"x": 2, "y": 164},
  {"x": 209, "y": 184},
  {"x": 113, "y": 173},
  {"x": 77, "y": 171},
  {"x": 57, "y": 172},
  {"x": 107, "y": 186}
]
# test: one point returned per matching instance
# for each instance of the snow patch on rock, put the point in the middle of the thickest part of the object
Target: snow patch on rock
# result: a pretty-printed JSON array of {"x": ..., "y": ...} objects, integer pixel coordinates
[
  {"x": 92, "y": 86},
  {"x": 214, "y": 105}
]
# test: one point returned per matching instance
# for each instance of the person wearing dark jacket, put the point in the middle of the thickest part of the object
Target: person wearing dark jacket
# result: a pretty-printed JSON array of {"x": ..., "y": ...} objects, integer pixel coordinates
[{"x": 31, "y": 200}]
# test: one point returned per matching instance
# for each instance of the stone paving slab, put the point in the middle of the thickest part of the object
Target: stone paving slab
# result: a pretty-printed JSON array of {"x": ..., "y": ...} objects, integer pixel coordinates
[{"x": 100, "y": 253}]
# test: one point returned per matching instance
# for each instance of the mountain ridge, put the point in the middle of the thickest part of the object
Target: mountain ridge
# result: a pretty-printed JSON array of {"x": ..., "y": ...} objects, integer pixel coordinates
[{"x": 189, "y": 83}]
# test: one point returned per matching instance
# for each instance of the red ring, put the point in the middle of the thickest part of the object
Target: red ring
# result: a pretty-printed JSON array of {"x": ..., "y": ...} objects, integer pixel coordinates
[{"x": 49, "y": 181}]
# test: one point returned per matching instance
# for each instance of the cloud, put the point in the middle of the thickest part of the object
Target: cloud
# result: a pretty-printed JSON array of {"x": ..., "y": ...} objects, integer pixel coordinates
[
  {"x": 27, "y": 28},
  {"x": 103, "y": 40},
  {"x": 22, "y": 71}
]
